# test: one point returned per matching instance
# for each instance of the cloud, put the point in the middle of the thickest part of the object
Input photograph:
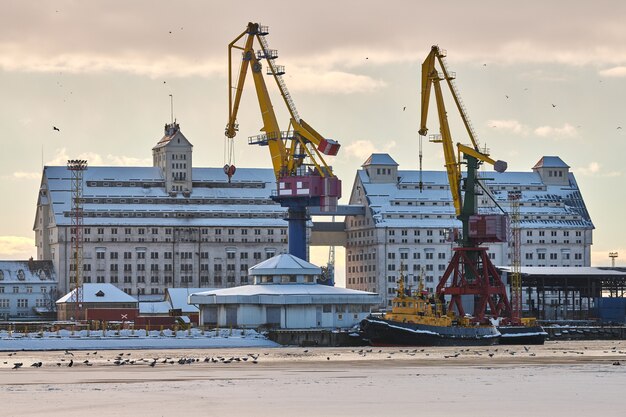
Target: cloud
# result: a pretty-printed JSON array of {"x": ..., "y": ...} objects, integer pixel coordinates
[
  {"x": 95, "y": 159},
  {"x": 594, "y": 169},
  {"x": 80, "y": 63},
  {"x": 614, "y": 72},
  {"x": 565, "y": 131},
  {"x": 332, "y": 81},
  {"x": 16, "y": 247},
  {"x": 21, "y": 175},
  {"x": 27, "y": 175},
  {"x": 149, "y": 37},
  {"x": 362, "y": 149},
  {"x": 512, "y": 126}
]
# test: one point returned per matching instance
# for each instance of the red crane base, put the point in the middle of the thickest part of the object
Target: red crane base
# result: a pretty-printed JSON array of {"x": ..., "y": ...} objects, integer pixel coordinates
[{"x": 471, "y": 272}]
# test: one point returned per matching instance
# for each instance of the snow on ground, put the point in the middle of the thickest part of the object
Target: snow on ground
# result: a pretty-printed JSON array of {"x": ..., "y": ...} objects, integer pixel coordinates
[{"x": 132, "y": 339}]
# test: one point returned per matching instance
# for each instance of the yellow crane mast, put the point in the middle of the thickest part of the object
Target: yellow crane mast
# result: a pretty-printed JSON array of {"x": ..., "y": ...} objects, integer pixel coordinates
[{"x": 303, "y": 178}]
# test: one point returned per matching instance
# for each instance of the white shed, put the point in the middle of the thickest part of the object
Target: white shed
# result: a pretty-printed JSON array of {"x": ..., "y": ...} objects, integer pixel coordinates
[{"x": 284, "y": 294}]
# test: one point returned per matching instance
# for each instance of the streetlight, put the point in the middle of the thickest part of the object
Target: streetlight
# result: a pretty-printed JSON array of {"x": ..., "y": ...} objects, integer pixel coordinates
[{"x": 613, "y": 255}]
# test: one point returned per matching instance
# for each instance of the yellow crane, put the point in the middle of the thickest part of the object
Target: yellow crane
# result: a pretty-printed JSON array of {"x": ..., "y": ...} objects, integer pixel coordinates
[
  {"x": 432, "y": 78},
  {"x": 303, "y": 178},
  {"x": 470, "y": 271}
]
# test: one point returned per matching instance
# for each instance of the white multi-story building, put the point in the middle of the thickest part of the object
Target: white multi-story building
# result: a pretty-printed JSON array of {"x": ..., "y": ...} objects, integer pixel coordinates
[
  {"x": 404, "y": 224},
  {"x": 27, "y": 289},
  {"x": 171, "y": 225}
]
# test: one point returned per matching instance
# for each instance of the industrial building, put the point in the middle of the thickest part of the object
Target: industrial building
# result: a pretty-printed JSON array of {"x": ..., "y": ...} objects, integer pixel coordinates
[
  {"x": 145, "y": 229},
  {"x": 405, "y": 224}
]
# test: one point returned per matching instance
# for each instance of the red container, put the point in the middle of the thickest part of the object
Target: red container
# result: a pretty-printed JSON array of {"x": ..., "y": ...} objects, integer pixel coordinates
[
  {"x": 488, "y": 228},
  {"x": 329, "y": 147}
]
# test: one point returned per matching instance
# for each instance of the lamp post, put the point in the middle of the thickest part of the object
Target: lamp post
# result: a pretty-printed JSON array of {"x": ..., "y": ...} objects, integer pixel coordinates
[{"x": 613, "y": 255}]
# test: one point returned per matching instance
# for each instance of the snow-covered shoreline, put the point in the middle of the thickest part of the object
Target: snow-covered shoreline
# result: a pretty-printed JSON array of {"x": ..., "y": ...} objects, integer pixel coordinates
[{"x": 132, "y": 339}]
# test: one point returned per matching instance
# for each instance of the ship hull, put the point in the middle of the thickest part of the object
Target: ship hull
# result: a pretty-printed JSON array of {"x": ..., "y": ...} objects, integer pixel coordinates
[
  {"x": 381, "y": 332},
  {"x": 522, "y": 335}
]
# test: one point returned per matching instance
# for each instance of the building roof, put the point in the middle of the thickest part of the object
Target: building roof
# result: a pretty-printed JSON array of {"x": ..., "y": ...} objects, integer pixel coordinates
[
  {"x": 550, "y": 162},
  {"x": 178, "y": 298},
  {"x": 401, "y": 203},
  {"x": 568, "y": 271},
  {"x": 100, "y": 293},
  {"x": 172, "y": 131},
  {"x": 136, "y": 196},
  {"x": 284, "y": 264},
  {"x": 379, "y": 159},
  {"x": 284, "y": 294},
  {"x": 27, "y": 272},
  {"x": 154, "y": 307}
]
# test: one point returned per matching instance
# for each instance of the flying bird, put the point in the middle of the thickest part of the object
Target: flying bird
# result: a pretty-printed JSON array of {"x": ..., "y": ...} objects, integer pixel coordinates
[
  {"x": 554, "y": 105},
  {"x": 484, "y": 65},
  {"x": 619, "y": 127},
  {"x": 56, "y": 128},
  {"x": 67, "y": 352},
  {"x": 506, "y": 96},
  {"x": 17, "y": 365},
  {"x": 404, "y": 108}
]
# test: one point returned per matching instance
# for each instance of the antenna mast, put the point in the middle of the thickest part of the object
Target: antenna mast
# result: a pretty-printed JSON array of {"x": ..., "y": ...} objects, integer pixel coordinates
[{"x": 171, "y": 108}]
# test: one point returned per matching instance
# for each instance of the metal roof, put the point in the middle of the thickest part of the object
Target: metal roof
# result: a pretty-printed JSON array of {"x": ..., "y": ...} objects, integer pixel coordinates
[
  {"x": 550, "y": 162},
  {"x": 136, "y": 196},
  {"x": 402, "y": 204},
  {"x": 284, "y": 264},
  {"x": 379, "y": 159}
]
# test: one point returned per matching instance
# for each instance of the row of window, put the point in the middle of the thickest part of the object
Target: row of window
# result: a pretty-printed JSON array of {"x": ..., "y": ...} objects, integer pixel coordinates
[
  {"x": 141, "y": 254},
  {"x": 21, "y": 302},
  {"x": 168, "y": 231},
  {"x": 27, "y": 289}
]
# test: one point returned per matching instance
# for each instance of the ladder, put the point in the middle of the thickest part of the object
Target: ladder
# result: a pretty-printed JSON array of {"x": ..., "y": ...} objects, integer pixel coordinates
[
  {"x": 449, "y": 77},
  {"x": 279, "y": 79}
]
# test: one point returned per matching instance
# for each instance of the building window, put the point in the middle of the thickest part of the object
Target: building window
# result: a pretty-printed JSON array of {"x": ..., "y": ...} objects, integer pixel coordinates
[{"x": 22, "y": 302}]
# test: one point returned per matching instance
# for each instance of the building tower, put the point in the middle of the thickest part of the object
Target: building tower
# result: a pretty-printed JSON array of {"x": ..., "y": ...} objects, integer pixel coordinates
[{"x": 76, "y": 168}]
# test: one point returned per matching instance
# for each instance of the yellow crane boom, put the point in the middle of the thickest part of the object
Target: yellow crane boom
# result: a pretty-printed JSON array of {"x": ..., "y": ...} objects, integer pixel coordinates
[{"x": 431, "y": 78}]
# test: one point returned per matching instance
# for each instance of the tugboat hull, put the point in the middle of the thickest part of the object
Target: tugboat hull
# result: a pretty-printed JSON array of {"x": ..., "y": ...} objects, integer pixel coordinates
[
  {"x": 381, "y": 332},
  {"x": 522, "y": 335}
]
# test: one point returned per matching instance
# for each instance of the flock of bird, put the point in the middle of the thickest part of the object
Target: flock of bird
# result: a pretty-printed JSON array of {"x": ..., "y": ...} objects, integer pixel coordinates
[{"x": 124, "y": 359}]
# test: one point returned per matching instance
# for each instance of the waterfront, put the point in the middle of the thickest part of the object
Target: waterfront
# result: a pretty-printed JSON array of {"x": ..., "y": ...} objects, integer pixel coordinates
[{"x": 557, "y": 379}]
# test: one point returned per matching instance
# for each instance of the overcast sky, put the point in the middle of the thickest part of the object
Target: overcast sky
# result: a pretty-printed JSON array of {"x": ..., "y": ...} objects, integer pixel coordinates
[{"x": 537, "y": 79}]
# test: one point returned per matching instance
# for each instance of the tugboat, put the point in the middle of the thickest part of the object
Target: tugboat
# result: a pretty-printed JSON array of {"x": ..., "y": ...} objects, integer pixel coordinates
[{"x": 418, "y": 320}]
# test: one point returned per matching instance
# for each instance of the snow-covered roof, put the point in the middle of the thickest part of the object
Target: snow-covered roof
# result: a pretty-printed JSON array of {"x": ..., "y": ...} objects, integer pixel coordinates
[
  {"x": 27, "y": 272},
  {"x": 154, "y": 307},
  {"x": 136, "y": 196},
  {"x": 100, "y": 293},
  {"x": 284, "y": 294},
  {"x": 550, "y": 162},
  {"x": 566, "y": 270},
  {"x": 284, "y": 264},
  {"x": 402, "y": 203},
  {"x": 379, "y": 159},
  {"x": 179, "y": 298}
]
